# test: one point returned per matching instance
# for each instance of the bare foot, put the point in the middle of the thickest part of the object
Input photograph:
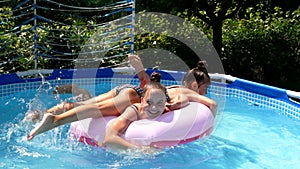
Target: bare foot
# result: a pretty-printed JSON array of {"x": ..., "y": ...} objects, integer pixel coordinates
[
  {"x": 46, "y": 124},
  {"x": 33, "y": 116}
]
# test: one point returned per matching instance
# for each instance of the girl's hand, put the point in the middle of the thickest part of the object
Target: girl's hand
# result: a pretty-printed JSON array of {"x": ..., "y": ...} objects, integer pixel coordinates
[
  {"x": 148, "y": 150},
  {"x": 136, "y": 62},
  {"x": 177, "y": 103}
]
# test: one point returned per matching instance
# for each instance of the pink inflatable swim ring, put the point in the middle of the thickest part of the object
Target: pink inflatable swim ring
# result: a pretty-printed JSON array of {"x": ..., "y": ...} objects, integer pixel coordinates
[{"x": 172, "y": 128}]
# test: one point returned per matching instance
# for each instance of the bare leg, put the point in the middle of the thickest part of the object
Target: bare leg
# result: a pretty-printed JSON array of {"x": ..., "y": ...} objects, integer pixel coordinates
[
  {"x": 47, "y": 119},
  {"x": 51, "y": 121},
  {"x": 34, "y": 116},
  {"x": 60, "y": 108},
  {"x": 110, "y": 107},
  {"x": 66, "y": 106}
]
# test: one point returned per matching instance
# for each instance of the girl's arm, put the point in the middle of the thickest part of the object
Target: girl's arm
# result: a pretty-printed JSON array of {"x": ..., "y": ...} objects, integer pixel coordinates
[
  {"x": 137, "y": 64},
  {"x": 195, "y": 97},
  {"x": 177, "y": 101},
  {"x": 117, "y": 127}
]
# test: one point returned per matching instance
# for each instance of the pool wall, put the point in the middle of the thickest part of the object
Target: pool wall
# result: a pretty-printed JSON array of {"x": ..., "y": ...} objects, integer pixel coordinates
[{"x": 252, "y": 92}]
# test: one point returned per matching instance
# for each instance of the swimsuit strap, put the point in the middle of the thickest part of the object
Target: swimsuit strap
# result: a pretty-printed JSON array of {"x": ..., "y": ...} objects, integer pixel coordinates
[
  {"x": 135, "y": 108},
  {"x": 173, "y": 86},
  {"x": 167, "y": 96}
]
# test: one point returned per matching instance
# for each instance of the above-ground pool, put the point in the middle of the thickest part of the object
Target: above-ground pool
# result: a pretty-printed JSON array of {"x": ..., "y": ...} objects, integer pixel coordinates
[{"x": 257, "y": 126}]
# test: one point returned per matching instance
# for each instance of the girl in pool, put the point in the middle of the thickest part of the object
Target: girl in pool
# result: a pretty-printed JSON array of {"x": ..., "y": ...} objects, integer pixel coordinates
[
  {"x": 152, "y": 106},
  {"x": 114, "y": 102},
  {"x": 196, "y": 79}
]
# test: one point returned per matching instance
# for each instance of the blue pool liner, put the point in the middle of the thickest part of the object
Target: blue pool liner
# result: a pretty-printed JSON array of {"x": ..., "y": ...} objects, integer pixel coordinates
[
  {"x": 259, "y": 88},
  {"x": 254, "y": 87},
  {"x": 85, "y": 73}
]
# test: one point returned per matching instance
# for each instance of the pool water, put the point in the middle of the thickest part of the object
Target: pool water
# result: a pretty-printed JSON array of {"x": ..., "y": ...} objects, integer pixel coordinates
[{"x": 246, "y": 136}]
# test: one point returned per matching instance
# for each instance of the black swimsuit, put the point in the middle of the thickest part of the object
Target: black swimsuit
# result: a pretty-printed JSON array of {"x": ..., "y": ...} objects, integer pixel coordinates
[{"x": 137, "y": 89}]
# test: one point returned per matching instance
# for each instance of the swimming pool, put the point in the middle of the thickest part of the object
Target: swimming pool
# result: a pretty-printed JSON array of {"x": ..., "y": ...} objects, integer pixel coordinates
[{"x": 253, "y": 130}]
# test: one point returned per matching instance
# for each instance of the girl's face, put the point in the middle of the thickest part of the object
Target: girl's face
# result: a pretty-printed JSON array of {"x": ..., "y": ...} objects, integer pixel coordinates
[
  {"x": 153, "y": 103},
  {"x": 202, "y": 89}
]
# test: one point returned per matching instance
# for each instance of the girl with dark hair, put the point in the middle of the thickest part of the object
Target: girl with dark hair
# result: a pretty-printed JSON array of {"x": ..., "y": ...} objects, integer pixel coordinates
[
  {"x": 195, "y": 84},
  {"x": 197, "y": 79},
  {"x": 152, "y": 105},
  {"x": 114, "y": 102}
]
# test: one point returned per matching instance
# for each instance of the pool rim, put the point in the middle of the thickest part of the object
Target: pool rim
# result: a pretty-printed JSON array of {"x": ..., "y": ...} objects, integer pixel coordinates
[{"x": 221, "y": 84}]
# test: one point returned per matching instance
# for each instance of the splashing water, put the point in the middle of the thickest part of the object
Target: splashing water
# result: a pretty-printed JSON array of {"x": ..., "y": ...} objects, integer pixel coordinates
[{"x": 248, "y": 136}]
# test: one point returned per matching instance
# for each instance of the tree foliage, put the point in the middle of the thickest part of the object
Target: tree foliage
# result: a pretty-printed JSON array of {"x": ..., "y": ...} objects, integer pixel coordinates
[
  {"x": 260, "y": 37},
  {"x": 265, "y": 47},
  {"x": 257, "y": 40}
]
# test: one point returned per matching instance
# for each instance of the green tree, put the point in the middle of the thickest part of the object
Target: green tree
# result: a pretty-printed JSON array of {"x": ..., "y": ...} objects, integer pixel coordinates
[
  {"x": 213, "y": 13},
  {"x": 265, "y": 46}
]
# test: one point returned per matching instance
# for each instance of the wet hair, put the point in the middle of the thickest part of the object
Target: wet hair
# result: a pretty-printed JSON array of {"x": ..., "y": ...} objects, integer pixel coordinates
[
  {"x": 198, "y": 74},
  {"x": 155, "y": 77},
  {"x": 154, "y": 83}
]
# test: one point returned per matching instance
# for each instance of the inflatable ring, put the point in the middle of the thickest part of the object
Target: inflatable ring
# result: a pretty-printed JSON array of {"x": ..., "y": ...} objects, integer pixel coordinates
[{"x": 172, "y": 128}]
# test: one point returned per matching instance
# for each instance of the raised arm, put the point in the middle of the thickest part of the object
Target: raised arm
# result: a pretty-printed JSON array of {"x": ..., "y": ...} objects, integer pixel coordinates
[
  {"x": 137, "y": 64},
  {"x": 117, "y": 127}
]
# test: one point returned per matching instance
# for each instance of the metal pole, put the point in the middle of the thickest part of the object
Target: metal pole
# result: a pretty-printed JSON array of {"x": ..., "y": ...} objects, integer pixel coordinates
[
  {"x": 35, "y": 36},
  {"x": 133, "y": 22}
]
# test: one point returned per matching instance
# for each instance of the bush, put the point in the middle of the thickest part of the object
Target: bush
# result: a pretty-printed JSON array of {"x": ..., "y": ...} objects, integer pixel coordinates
[{"x": 264, "y": 50}]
